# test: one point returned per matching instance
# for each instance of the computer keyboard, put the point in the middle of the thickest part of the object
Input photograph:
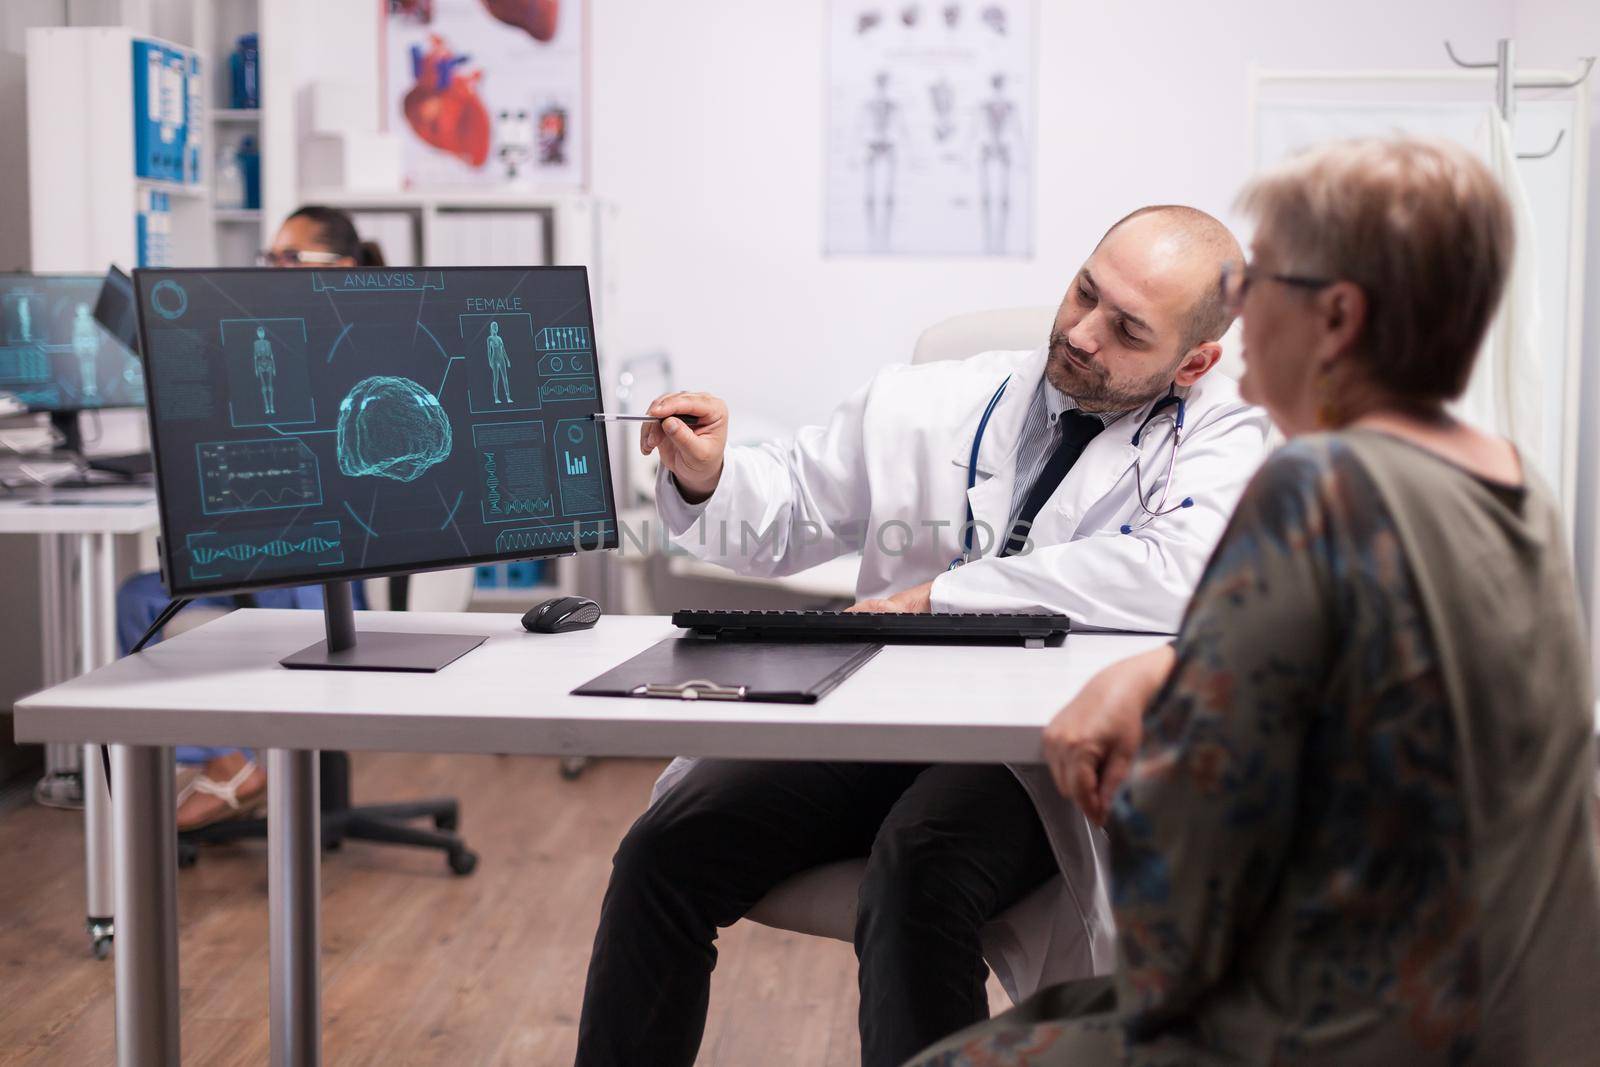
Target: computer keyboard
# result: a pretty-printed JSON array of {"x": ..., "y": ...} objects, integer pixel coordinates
[{"x": 973, "y": 628}]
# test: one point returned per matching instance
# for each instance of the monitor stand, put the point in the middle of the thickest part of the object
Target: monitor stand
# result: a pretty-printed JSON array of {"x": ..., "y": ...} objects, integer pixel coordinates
[
  {"x": 65, "y": 423},
  {"x": 374, "y": 651}
]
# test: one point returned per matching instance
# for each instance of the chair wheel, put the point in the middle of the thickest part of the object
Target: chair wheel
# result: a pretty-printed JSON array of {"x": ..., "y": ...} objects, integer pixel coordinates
[
  {"x": 463, "y": 862},
  {"x": 188, "y": 855},
  {"x": 100, "y": 933},
  {"x": 572, "y": 766},
  {"x": 446, "y": 821}
]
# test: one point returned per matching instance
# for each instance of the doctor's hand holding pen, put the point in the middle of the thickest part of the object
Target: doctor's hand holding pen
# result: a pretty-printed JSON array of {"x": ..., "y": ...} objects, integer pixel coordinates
[
  {"x": 692, "y": 454},
  {"x": 1090, "y": 744}
]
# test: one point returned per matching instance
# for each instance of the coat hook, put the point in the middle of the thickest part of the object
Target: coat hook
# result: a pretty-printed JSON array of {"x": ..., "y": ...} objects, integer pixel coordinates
[
  {"x": 1588, "y": 65},
  {"x": 1463, "y": 63},
  {"x": 1547, "y": 153}
]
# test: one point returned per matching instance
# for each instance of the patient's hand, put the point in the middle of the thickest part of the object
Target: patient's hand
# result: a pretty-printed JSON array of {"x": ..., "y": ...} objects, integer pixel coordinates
[
  {"x": 1091, "y": 742},
  {"x": 917, "y": 600}
]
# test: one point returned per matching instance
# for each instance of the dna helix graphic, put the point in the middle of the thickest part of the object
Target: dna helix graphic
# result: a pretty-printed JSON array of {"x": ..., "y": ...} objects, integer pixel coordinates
[
  {"x": 530, "y": 506},
  {"x": 491, "y": 482},
  {"x": 562, "y": 389},
  {"x": 277, "y": 548}
]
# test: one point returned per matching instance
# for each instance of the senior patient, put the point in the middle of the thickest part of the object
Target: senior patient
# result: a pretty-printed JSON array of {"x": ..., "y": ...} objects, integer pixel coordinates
[
  {"x": 1356, "y": 824},
  {"x": 1073, "y": 482}
]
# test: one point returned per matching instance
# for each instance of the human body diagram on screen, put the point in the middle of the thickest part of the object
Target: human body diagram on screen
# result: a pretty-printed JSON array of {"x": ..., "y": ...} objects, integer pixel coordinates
[
  {"x": 266, "y": 370},
  {"x": 53, "y": 354}
]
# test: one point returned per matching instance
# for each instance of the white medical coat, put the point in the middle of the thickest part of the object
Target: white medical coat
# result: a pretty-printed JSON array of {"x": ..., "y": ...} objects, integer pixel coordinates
[{"x": 888, "y": 476}]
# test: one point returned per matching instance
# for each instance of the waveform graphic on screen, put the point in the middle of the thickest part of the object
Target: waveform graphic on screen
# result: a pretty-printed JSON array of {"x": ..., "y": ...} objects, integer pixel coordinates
[
  {"x": 237, "y": 553},
  {"x": 261, "y": 475},
  {"x": 535, "y": 538}
]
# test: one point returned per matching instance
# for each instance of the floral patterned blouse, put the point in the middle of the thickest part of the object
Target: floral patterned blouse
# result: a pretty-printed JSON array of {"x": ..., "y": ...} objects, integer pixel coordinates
[{"x": 1350, "y": 835}]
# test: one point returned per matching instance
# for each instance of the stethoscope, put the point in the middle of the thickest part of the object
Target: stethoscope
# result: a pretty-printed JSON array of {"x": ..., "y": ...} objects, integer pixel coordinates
[{"x": 1178, "y": 409}]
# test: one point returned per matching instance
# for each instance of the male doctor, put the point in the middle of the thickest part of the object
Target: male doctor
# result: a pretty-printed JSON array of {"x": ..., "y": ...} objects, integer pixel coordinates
[{"x": 1084, "y": 499}]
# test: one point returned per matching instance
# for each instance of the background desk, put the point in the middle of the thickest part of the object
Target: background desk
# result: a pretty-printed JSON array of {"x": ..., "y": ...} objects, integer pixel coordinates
[
  {"x": 77, "y": 529},
  {"x": 221, "y": 685}
]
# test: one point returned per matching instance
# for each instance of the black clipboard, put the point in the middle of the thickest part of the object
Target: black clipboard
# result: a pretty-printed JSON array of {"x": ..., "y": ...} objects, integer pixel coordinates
[{"x": 689, "y": 668}]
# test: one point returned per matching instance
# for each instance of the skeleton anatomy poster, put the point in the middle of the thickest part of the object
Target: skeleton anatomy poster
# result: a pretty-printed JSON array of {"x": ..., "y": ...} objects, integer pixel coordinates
[
  {"x": 487, "y": 92},
  {"x": 930, "y": 127}
]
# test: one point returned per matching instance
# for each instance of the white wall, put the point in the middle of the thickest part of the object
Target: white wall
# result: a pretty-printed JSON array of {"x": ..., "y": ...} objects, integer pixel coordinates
[
  {"x": 708, "y": 133},
  {"x": 1552, "y": 33}
]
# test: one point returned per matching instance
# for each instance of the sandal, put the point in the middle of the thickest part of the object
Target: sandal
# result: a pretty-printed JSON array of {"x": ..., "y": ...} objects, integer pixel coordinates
[{"x": 210, "y": 798}]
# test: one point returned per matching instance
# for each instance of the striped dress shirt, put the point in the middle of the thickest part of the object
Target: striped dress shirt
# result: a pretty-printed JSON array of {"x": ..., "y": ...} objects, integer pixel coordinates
[{"x": 1041, "y": 432}]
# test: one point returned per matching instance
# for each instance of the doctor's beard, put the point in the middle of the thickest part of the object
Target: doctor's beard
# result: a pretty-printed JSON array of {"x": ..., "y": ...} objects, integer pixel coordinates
[{"x": 1090, "y": 384}]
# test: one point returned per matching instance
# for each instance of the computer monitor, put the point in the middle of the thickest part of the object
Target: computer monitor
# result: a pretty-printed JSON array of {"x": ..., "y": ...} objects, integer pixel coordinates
[
  {"x": 117, "y": 310},
  {"x": 325, "y": 425},
  {"x": 54, "y": 355}
]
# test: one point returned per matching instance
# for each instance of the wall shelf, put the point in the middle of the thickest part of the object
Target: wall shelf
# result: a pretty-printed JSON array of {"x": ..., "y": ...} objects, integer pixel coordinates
[
  {"x": 441, "y": 199},
  {"x": 217, "y": 24},
  {"x": 195, "y": 191},
  {"x": 86, "y": 198}
]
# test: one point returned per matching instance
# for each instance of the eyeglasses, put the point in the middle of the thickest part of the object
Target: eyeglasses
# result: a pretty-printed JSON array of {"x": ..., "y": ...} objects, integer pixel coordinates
[
  {"x": 1238, "y": 277},
  {"x": 294, "y": 257}
]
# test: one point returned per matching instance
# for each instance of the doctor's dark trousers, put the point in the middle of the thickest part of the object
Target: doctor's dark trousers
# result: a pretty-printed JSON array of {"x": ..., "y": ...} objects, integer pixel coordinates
[{"x": 948, "y": 847}]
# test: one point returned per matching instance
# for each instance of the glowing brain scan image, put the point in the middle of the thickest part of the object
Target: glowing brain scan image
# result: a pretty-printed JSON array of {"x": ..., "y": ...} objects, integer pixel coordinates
[{"x": 391, "y": 428}]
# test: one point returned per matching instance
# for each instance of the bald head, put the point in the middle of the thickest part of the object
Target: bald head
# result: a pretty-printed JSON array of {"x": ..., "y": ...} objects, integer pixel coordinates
[{"x": 1181, "y": 234}]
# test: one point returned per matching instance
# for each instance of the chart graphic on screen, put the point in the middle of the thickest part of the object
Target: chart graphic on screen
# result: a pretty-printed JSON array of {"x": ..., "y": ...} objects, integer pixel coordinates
[{"x": 313, "y": 425}]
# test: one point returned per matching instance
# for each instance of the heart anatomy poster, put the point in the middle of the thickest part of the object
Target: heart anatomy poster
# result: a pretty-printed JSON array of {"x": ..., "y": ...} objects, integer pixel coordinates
[
  {"x": 488, "y": 92},
  {"x": 930, "y": 127}
]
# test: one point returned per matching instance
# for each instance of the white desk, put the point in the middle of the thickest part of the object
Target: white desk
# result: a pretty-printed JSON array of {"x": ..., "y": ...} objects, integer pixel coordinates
[
  {"x": 77, "y": 530},
  {"x": 221, "y": 684}
]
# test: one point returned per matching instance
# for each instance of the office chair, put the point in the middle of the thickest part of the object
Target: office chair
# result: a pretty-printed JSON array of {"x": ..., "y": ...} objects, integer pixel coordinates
[
  {"x": 822, "y": 901},
  {"x": 381, "y": 823}
]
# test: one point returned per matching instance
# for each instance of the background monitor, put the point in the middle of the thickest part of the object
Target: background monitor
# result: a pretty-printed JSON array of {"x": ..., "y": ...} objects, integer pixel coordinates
[
  {"x": 116, "y": 309},
  {"x": 54, "y": 355},
  {"x": 317, "y": 425}
]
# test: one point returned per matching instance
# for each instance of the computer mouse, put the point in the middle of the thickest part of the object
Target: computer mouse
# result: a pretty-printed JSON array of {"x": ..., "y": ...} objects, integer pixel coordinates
[{"x": 560, "y": 615}]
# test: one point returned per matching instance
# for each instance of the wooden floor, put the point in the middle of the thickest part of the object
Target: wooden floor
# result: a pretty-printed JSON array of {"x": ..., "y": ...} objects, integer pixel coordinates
[{"x": 419, "y": 966}]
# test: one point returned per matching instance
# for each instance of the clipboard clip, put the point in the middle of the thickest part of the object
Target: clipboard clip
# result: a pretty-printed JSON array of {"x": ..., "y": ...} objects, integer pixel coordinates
[{"x": 695, "y": 689}]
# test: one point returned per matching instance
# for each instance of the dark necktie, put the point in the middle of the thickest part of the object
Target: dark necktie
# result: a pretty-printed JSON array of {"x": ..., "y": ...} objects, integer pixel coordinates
[{"x": 1077, "y": 430}]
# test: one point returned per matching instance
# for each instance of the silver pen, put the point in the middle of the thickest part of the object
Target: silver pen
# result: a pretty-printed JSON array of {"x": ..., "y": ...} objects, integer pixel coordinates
[{"x": 607, "y": 416}]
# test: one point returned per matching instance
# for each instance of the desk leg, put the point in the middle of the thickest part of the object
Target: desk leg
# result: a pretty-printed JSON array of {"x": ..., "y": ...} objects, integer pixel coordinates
[
  {"x": 146, "y": 861},
  {"x": 98, "y": 852},
  {"x": 63, "y": 782},
  {"x": 294, "y": 841},
  {"x": 97, "y": 643}
]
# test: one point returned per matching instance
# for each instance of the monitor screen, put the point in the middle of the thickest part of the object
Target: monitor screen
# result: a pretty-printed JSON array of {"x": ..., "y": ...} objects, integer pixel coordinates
[
  {"x": 54, "y": 355},
  {"x": 313, "y": 425},
  {"x": 115, "y": 310}
]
